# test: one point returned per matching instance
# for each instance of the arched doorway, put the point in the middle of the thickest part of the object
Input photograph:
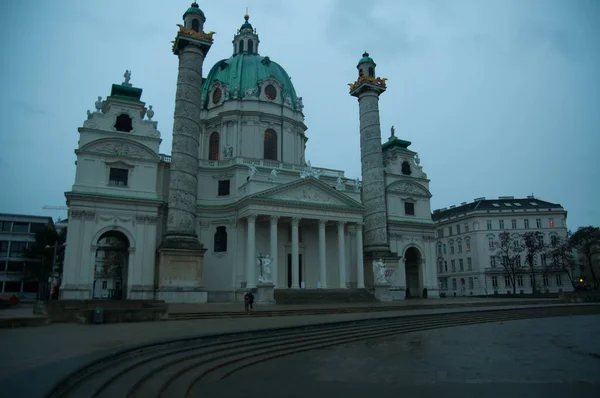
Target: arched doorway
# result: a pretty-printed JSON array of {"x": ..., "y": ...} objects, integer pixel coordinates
[
  {"x": 412, "y": 264},
  {"x": 110, "y": 272}
]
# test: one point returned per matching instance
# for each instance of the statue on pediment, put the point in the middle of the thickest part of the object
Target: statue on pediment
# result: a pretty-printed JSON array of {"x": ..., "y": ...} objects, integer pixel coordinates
[
  {"x": 339, "y": 184},
  {"x": 273, "y": 175},
  {"x": 251, "y": 171}
]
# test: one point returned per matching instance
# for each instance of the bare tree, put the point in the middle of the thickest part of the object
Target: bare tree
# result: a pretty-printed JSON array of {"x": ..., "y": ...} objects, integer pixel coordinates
[
  {"x": 534, "y": 246},
  {"x": 562, "y": 257},
  {"x": 587, "y": 241},
  {"x": 508, "y": 248}
]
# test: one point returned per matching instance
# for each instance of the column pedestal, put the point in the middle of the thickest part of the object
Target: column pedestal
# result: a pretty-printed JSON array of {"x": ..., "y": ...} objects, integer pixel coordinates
[{"x": 382, "y": 292}]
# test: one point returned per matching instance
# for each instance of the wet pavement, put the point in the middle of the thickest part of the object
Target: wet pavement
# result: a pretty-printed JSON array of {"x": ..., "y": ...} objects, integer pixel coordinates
[{"x": 552, "y": 357}]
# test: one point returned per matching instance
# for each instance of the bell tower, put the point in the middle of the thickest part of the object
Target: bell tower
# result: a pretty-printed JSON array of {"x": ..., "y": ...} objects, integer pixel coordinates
[{"x": 181, "y": 254}]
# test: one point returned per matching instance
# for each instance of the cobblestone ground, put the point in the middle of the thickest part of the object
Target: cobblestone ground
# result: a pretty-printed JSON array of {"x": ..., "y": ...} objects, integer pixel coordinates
[{"x": 553, "y": 357}]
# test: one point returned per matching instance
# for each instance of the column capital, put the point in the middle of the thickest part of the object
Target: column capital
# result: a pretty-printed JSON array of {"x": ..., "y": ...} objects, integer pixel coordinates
[
  {"x": 322, "y": 222},
  {"x": 359, "y": 225},
  {"x": 296, "y": 221},
  {"x": 341, "y": 224},
  {"x": 251, "y": 218},
  {"x": 274, "y": 219}
]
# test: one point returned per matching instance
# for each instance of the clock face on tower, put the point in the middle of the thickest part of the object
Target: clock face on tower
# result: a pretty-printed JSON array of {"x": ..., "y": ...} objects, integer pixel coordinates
[{"x": 120, "y": 149}]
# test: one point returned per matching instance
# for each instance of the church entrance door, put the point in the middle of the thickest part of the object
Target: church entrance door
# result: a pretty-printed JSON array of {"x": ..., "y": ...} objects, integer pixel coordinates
[
  {"x": 289, "y": 269},
  {"x": 413, "y": 264}
]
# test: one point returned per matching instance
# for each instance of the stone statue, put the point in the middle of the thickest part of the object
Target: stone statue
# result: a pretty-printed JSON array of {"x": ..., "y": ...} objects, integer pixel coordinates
[
  {"x": 150, "y": 113},
  {"x": 417, "y": 160},
  {"x": 264, "y": 264},
  {"x": 310, "y": 172},
  {"x": 99, "y": 104},
  {"x": 379, "y": 272},
  {"x": 127, "y": 77},
  {"x": 273, "y": 175},
  {"x": 89, "y": 115},
  {"x": 287, "y": 100},
  {"x": 236, "y": 92},
  {"x": 356, "y": 185},
  {"x": 339, "y": 184},
  {"x": 393, "y": 130},
  {"x": 228, "y": 151},
  {"x": 300, "y": 105},
  {"x": 251, "y": 171}
]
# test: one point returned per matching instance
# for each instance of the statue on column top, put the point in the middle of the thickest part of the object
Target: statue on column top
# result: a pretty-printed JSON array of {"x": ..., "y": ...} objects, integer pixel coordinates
[{"x": 127, "y": 77}]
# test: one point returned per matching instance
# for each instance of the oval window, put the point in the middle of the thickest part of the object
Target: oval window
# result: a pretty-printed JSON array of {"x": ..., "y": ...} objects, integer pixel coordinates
[
  {"x": 217, "y": 95},
  {"x": 271, "y": 92}
]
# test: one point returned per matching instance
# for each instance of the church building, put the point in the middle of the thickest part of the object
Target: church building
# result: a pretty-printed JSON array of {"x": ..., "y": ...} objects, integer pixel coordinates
[{"x": 237, "y": 188}]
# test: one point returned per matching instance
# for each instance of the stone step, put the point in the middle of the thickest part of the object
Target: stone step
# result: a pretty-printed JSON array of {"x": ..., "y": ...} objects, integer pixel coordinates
[{"x": 323, "y": 296}]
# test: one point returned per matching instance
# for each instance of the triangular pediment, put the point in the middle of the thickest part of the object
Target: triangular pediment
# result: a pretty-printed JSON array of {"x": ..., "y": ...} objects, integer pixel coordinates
[{"x": 308, "y": 191}]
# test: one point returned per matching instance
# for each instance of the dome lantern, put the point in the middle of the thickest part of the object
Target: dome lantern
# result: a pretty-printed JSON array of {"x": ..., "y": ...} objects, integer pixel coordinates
[{"x": 246, "y": 39}]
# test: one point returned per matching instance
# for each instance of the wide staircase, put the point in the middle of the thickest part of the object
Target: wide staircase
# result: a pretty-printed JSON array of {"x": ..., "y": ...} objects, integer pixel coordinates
[{"x": 323, "y": 296}]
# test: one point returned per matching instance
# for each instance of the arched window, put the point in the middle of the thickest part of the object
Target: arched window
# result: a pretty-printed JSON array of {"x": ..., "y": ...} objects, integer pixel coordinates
[
  {"x": 195, "y": 25},
  {"x": 406, "y": 168},
  {"x": 123, "y": 123},
  {"x": 213, "y": 147},
  {"x": 270, "y": 145},
  {"x": 220, "y": 240},
  {"x": 241, "y": 50},
  {"x": 371, "y": 71},
  {"x": 250, "y": 46}
]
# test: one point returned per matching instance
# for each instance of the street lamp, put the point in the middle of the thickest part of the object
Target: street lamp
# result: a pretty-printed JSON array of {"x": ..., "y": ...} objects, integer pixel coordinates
[{"x": 54, "y": 274}]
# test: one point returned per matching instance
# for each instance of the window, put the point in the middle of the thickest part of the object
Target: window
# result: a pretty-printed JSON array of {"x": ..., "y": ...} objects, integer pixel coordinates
[
  {"x": 270, "y": 145},
  {"x": 195, "y": 25},
  {"x": 518, "y": 261},
  {"x": 531, "y": 280},
  {"x": 491, "y": 242},
  {"x": 409, "y": 208},
  {"x": 501, "y": 222},
  {"x": 520, "y": 280},
  {"x": 526, "y": 222},
  {"x": 551, "y": 223},
  {"x": 471, "y": 284},
  {"x": 271, "y": 92},
  {"x": 554, "y": 240},
  {"x": 21, "y": 227},
  {"x": 466, "y": 227},
  {"x": 494, "y": 281},
  {"x": 104, "y": 285},
  {"x": 406, "y": 168},
  {"x": 459, "y": 248},
  {"x": 217, "y": 95},
  {"x": 468, "y": 245},
  {"x": 37, "y": 227},
  {"x": 461, "y": 265},
  {"x": 541, "y": 240},
  {"x": 123, "y": 123},
  {"x": 3, "y": 248},
  {"x": 213, "y": 146},
  {"x": 444, "y": 248},
  {"x": 444, "y": 283},
  {"x": 440, "y": 265},
  {"x": 224, "y": 187},
  {"x": 453, "y": 283},
  {"x": 514, "y": 224},
  {"x": 371, "y": 71},
  {"x": 439, "y": 249},
  {"x": 458, "y": 229},
  {"x": 538, "y": 222},
  {"x": 220, "y": 240},
  {"x": 507, "y": 281},
  {"x": 558, "y": 280},
  {"x": 493, "y": 261},
  {"x": 14, "y": 266},
  {"x": 495, "y": 205},
  {"x": 5, "y": 226},
  {"x": 17, "y": 248},
  {"x": 445, "y": 266},
  {"x": 118, "y": 177},
  {"x": 452, "y": 248},
  {"x": 250, "y": 46},
  {"x": 469, "y": 264},
  {"x": 545, "y": 279},
  {"x": 450, "y": 231},
  {"x": 441, "y": 233},
  {"x": 241, "y": 47},
  {"x": 453, "y": 262},
  {"x": 543, "y": 259},
  {"x": 489, "y": 225}
]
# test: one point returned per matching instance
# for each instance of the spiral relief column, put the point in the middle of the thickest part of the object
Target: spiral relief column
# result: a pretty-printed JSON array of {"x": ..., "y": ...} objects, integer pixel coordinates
[{"x": 181, "y": 254}]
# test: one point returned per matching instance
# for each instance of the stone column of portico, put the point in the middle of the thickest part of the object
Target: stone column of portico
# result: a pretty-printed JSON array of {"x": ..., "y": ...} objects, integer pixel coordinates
[
  {"x": 273, "y": 249},
  {"x": 342, "y": 253},
  {"x": 295, "y": 254},
  {"x": 360, "y": 270},
  {"x": 251, "y": 260},
  {"x": 322, "y": 254}
]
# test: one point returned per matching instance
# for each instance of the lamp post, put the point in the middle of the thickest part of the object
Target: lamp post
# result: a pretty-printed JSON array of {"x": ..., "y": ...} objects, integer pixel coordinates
[{"x": 53, "y": 274}]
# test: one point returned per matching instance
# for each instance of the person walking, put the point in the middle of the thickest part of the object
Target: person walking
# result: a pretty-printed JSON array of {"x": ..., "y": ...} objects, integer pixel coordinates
[{"x": 248, "y": 300}]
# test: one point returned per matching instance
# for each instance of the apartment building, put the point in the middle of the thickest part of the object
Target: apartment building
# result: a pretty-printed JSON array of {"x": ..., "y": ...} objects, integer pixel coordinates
[
  {"x": 17, "y": 232},
  {"x": 466, "y": 245}
]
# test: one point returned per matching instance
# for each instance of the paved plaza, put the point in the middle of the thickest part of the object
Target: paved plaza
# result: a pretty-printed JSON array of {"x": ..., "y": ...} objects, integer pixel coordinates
[{"x": 527, "y": 354}]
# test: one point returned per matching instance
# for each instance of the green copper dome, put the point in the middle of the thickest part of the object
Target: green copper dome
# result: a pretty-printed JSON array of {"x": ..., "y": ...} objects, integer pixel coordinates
[
  {"x": 245, "y": 71},
  {"x": 194, "y": 9},
  {"x": 366, "y": 59}
]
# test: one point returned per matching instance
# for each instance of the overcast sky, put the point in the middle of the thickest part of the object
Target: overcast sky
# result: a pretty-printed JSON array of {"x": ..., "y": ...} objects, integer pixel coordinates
[{"x": 498, "y": 97}]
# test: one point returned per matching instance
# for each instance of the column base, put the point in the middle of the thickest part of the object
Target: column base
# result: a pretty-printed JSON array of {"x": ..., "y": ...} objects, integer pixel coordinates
[
  {"x": 391, "y": 259},
  {"x": 179, "y": 273},
  {"x": 75, "y": 292},
  {"x": 265, "y": 294},
  {"x": 382, "y": 292}
]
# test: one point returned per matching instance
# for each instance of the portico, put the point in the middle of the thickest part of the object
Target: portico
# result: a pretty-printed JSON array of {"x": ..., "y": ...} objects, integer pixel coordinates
[{"x": 308, "y": 240}]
